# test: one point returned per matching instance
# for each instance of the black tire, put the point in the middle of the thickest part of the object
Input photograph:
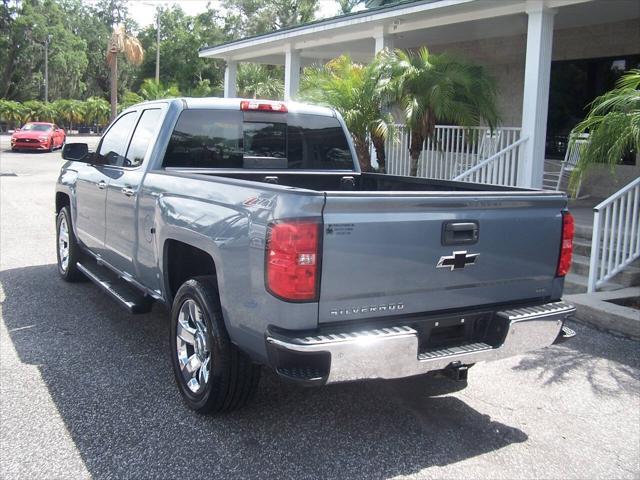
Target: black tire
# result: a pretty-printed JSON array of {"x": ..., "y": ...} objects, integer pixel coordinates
[
  {"x": 71, "y": 272},
  {"x": 233, "y": 378}
]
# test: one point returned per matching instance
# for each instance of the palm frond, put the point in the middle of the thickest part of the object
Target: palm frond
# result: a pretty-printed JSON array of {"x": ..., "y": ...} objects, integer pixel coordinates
[{"x": 613, "y": 124}]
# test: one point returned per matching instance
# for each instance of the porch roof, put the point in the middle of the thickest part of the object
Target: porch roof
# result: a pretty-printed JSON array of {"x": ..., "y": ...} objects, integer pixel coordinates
[{"x": 411, "y": 24}]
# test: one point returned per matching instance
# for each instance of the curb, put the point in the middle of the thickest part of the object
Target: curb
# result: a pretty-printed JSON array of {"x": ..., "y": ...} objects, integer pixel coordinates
[{"x": 597, "y": 310}]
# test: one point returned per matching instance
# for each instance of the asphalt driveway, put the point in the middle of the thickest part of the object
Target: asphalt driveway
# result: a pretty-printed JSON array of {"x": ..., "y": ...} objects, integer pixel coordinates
[{"x": 86, "y": 390}]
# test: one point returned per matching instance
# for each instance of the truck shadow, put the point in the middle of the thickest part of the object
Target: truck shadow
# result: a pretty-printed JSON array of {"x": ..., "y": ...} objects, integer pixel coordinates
[
  {"x": 109, "y": 375},
  {"x": 608, "y": 371}
]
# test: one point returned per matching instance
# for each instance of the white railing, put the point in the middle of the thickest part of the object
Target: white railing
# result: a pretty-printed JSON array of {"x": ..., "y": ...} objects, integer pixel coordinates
[
  {"x": 616, "y": 240},
  {"x": 499, "y": 169},
  {"x": 451, "y": 150}
]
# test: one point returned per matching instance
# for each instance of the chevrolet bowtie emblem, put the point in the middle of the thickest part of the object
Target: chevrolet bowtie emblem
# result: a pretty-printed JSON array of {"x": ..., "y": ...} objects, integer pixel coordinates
[{"x": 457, "y": 260}]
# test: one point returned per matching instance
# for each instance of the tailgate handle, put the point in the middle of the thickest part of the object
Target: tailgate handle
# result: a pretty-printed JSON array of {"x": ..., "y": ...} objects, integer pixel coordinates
[{"x": 460, "y": 233}]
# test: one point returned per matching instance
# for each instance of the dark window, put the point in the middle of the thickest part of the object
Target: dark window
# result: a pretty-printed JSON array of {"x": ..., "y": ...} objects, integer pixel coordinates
[
  {"x": 142, "y": 137},
  {"x": 221, "y": 139},
  {"x": 114, "y": 141},
  {"x": 574, "y": 85},
  {"x": 317, "y": 142},
  {"x": 206, "y": 139},
  {"x": 265, "y": 145}
]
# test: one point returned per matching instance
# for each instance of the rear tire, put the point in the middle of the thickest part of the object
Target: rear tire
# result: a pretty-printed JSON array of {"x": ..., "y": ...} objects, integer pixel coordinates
[
  {"x": 68, "y": 250},
  {"x": 212, "y": 374}
]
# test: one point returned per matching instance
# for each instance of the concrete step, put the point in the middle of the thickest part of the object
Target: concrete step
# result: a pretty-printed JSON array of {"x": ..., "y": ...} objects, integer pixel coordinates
[
  {"x": 574, "y": 283},
  {"x": 628, "y": 277},
  {"x": 583, "y": 231},
  {"x": 580, "y": 265},
  {"x": 582, "y": 247}
]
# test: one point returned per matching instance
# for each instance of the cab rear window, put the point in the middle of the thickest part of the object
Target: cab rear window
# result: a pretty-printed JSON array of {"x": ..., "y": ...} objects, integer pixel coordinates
[{"x": 238, "y": 140}]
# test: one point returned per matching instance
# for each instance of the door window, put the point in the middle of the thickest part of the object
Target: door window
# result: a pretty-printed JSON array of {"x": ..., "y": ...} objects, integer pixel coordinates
[
  {"x": 114, "y": 142},
  {"x": 142, "y": 137}
]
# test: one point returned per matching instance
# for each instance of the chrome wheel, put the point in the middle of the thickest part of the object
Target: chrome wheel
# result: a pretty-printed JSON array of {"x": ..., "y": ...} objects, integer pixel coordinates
[
  {"x": 192, "y": 346},
  {"x": 63, "y": 243}
]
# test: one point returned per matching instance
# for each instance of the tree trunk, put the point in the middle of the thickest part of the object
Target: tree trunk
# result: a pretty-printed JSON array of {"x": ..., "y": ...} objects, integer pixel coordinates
[
  {"x": 378, "y": 144},
  {"x": 415, "y": 149},
  {"x": 364, "y": 157},
  {"x": 114, "y": 87}
]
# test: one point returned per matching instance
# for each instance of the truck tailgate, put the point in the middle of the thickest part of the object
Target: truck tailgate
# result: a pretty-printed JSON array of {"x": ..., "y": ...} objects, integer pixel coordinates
[{"x": 381, "y": 252}]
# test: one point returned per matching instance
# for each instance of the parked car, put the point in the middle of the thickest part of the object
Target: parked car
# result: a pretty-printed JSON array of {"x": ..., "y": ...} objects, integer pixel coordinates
[
  {"x": 38, "y": 136},
  {"x": 252, "y": 222}
]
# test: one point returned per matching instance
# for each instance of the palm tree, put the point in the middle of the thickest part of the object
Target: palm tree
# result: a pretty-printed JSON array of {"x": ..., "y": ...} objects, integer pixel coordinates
[
  {"x": 152, "y": 90},
  {"x": 130, "y": 98},
  {"x": 96, "y": 111},
  {"x": 32, "y": 109},
  {"x": 258, "y": 81},
  {"x": 11, "y": 112},
  {"x": 433, "y": 88},
  {"x": 121, "y": 42},
  {"x": 70, "y": 111},
  {"x": 613, "y": 124},
  {"x": 354, "y": 91}
]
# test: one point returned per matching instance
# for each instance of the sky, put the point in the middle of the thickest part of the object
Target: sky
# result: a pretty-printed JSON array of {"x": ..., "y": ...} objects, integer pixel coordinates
[{"x": 143, "y": 11}]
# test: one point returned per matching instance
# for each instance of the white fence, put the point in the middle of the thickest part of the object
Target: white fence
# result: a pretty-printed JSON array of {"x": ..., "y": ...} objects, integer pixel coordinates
[
  {"x": 451, "y": 151},
  {"x": 616, "y": 234}
]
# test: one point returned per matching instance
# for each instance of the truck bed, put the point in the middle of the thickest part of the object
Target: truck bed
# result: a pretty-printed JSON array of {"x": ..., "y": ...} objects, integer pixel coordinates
[{"x": 353, "y": 181}]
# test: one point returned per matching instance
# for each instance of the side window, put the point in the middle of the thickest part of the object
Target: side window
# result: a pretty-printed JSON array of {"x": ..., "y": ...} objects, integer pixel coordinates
[
  {"x": 141, "y": 138},
  {"x": 206, "y": 139},
  {"x": 114, "y": 143}
]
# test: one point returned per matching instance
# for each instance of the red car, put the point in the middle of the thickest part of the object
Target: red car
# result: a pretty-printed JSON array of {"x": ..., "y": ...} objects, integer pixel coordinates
[{"x": 38, "y": 136}]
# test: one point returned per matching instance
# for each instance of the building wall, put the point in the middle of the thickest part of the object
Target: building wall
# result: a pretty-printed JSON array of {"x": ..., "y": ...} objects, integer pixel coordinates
[{"x": 504, "y": 57}]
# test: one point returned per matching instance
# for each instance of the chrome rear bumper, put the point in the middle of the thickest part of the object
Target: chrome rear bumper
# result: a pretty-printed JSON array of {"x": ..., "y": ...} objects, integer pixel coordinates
[{"x": 393, "y": 352}]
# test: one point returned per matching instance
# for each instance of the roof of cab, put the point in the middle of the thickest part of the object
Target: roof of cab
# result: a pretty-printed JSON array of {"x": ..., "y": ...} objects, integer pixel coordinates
[
  {"x": 217, "y": 103},
  {"x": 234, "y": 104}
]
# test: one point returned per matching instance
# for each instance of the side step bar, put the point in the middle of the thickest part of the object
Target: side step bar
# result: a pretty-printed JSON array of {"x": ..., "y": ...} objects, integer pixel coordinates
[{"x": 127, "y": 296}]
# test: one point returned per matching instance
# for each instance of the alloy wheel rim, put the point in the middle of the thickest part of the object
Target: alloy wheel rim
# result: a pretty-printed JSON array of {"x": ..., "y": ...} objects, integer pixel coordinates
[
  {"x": 192, "y": 346},
  {"x": 63, "y": 244}
]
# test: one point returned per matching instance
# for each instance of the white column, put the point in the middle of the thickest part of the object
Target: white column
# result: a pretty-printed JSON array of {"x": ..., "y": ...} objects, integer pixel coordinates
[
  {"x": 291, "y": 73},
  {"x": 382, "y": 39},
  {"x": 535, "y": 103},
  {"x": 230, "y": 76}
]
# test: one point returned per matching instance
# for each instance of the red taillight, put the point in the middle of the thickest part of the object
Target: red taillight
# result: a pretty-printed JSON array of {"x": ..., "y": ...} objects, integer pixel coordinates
[
  {"x": 566, "y": 247},
  {"x": 292, "y": 258},
  {"x": 261, "y": 106}
]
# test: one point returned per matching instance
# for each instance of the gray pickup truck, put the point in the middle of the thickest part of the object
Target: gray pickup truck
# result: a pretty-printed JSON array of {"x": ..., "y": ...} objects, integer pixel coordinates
[{"x": 252, "y": 221}]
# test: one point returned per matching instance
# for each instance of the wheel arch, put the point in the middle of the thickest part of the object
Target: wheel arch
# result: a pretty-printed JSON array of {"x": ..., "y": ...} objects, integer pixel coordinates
[
  {"x": 62, "y": 200},
  {"x": 182, "y": 260}
]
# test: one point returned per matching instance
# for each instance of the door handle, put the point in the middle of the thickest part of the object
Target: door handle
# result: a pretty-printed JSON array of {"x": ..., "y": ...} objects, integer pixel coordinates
[
  {"x": 128, "y": 191},
  {"x": 102, "y": 184}
]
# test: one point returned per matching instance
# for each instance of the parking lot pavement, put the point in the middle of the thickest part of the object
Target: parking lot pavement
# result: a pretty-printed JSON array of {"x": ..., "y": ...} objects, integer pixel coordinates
[{"x": 86, "y": 390}]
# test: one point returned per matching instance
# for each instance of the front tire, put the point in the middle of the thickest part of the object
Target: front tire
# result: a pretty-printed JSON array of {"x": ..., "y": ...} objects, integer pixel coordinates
[
  {"x": 212, "y": 374},
  {"x": 68, "y": 250}
]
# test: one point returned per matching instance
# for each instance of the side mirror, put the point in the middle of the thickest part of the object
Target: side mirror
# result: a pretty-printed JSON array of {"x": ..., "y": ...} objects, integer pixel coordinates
[{"x": 76, "y": 152}]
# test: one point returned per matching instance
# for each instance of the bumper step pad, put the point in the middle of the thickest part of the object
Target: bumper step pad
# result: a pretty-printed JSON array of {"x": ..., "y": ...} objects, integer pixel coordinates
[{"x": 457, "y": 350}]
